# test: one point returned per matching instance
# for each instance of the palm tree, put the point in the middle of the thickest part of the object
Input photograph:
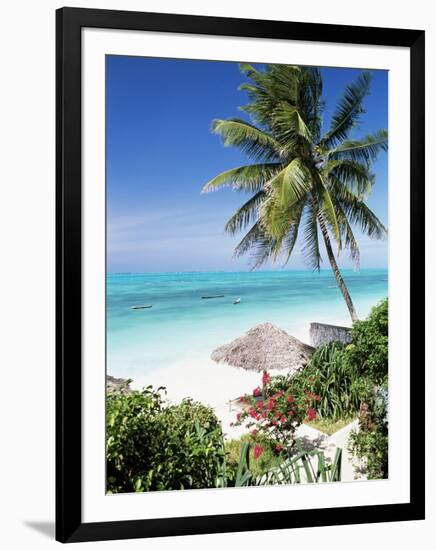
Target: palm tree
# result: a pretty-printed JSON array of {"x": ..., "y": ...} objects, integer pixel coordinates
[{"x": 301, "y": 180}]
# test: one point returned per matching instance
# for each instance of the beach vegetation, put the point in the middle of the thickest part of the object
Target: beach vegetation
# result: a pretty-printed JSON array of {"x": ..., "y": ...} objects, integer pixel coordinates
[
  {"x": 156, "y": 446},
  {"x": 273, "y": 415},
  {"x": 303, "y": 180},
  {"x": 259, "y": 464},
  {"x": 371, "y": 442},
  {"x": 152, "y": 445},
  {"x": 350, "y": 381}
]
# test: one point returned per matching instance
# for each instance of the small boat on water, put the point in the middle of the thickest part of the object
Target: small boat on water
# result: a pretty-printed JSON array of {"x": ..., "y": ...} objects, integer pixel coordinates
[
  {"x": 237, "y": 301},
  {"x": 142, "y": 307},
  {"x": 212, "y": 296}
]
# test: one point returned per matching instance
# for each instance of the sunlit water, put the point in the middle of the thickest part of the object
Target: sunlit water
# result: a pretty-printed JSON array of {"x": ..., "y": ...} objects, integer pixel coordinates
[{"x": 181, "y": 327}]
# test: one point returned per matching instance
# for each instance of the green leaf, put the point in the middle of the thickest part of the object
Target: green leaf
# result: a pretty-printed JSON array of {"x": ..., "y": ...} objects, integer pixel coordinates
[{"x": 348, "y": 110}]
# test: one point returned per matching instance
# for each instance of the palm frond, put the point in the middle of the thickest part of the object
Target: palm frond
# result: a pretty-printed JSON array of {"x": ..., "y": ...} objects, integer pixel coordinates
[
  {"x": 348, "y": 238},
  {"x": 365, "y": 150},
  {"x": 245, "y": 214},
  {"x": 291, "y": 183},
  {"x": 249, "y": 178},
  {"x": 286, "y": 193},
  {"x": 358, "y": 213},
  {"x": 310, "y": 248},
  {"x": 348, "y": 110},
  {"x": 289, "y": 125},
  {"x": 311, "y": 101},
  {"x": 352, "y": 174},
  {"x": 254, "y": 142},
  {"x": 256, "y": 241},
  {"x": 327, "y": 209}
]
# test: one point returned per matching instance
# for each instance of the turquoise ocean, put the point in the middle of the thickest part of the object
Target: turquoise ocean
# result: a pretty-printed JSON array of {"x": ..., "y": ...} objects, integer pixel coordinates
[{"x": 182, "y": 327}]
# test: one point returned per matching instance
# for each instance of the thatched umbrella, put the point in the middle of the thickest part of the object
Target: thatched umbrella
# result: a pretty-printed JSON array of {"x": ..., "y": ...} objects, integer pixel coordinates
[{"x": 264, "y": 348}]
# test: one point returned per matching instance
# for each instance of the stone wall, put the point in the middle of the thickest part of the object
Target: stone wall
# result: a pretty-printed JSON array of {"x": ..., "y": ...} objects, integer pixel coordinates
[{"x": 321, "y": 333}]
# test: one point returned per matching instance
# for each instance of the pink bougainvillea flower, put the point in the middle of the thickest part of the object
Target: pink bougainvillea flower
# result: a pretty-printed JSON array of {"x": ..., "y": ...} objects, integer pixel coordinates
[
  {"x": 252, "y": 412},
  {"x": 238, "y": 417},
  {"x": 318, "y": 398},
  {"x": 265, "y": 378},
  {"x": 311, "y": 414},
  {"x": 271, "y": 404},
  {"x": 291, "y": 399},
  {"x": 257, "y": 392},
  {"x": 254, "y": 432},
  {"x": 258, "y": 450},
  {"x": 260, "y": 405},
  {"x": 283, "y": 419}
]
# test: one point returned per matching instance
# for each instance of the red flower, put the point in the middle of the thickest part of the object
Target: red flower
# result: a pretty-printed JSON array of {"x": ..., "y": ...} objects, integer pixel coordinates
[
  {"x": 238, "y": 417},
  {"x": 318, "y": 398},
  {"x": 279, "y": 448},
  {"x": 252, "y": 412},
  {"x": 291, "y": 399},
  {"x": 271, "y": 403},
  {"x": 260, "y": 405},
  {"x": 311, "y": 414},
  {"x": 310, "y": 395},
  {"x": 254, "y": 432},
  {"x": 257, "y": 392},
  {"x": 265, "y": 378},
  {"x": 264, "y": 414},
  {"x": 258, "y": 450},
  {"x": 283, "y": 419},
  {"x": 278, "y": 394}
]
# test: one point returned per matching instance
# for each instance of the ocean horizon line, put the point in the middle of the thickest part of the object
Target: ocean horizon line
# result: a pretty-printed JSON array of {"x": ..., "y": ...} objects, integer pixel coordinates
[{"x": 257, "y": 271}]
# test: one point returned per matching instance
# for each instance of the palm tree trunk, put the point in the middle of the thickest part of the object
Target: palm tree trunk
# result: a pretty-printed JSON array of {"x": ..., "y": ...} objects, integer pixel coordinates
[{"x": 341, "y": 283}]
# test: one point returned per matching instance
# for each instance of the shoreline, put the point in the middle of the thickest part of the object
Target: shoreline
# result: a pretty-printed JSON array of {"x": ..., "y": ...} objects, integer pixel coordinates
[{"x": 210, "y": 383}]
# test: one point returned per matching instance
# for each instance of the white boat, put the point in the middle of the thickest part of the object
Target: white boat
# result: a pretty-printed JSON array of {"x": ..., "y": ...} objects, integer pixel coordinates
[{"x": 237, "y": 301}]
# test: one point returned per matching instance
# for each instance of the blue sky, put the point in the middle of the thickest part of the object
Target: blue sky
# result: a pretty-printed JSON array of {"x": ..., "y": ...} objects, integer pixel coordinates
[{"x": 160, "y": 152}]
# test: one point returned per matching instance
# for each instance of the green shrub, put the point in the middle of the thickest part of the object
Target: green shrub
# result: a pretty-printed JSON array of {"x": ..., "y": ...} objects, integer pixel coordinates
[
  {"x": 368, "y": 352},
  {"x": 153, "y": 446},
  {"x": 258, "y": 466},
  {"x": 330, "y": 377},
  {"x": 371, "y": 441}
]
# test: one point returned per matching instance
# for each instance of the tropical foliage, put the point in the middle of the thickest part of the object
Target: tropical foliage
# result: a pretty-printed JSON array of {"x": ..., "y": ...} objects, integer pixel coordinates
[
  {"x": 371, "y": 441},
  {"x": 302, "y": 180},
  {"x": 153, "y": 446},
  {"x": 273, "y": 416},
  {"x": 351, "y": 381},
  {"x": 331, "y": 378},
  {"x": 368, "y": 353}
]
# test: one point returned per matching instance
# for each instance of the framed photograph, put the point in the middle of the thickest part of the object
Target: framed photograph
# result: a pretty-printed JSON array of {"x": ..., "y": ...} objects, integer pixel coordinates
[{"x": 240, "y": 274}]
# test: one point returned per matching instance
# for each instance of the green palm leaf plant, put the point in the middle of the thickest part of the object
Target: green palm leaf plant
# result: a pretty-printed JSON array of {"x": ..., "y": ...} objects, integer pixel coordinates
[{"x": 304, "y": 183}]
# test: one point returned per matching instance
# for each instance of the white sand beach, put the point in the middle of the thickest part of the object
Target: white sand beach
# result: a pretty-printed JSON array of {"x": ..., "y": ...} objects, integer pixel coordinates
[{"x": 211, "y": 383}]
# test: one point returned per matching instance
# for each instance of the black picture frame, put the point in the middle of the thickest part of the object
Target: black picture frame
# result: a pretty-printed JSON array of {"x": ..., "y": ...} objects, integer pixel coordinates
[{"x": 69, "y": 525}]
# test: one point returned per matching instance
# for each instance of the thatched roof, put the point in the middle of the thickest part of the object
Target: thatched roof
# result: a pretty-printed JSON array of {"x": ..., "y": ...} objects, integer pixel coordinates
[{"x": 264, "y": 347}]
